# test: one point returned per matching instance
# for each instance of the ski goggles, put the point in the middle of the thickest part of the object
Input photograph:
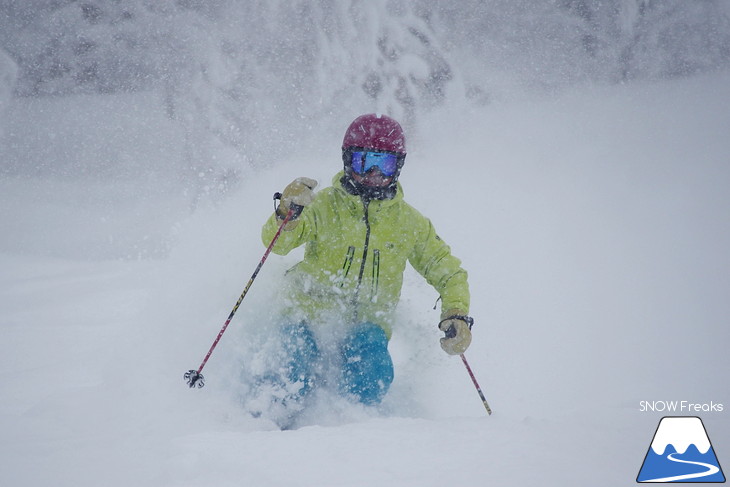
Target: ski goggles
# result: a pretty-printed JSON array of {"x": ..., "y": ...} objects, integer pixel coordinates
[{"x": 362, "y": 161}]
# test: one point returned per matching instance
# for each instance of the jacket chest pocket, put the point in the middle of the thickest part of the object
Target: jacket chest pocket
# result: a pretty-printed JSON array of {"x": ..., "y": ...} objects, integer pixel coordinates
[
  {"x": 347, "y": 264},
  {"x": 373, "y": 269},
  {"x": 375, "y": 273}
]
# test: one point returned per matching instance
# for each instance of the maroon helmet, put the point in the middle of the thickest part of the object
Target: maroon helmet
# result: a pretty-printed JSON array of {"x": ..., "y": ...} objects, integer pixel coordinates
[{"x": 379, "y": 132}]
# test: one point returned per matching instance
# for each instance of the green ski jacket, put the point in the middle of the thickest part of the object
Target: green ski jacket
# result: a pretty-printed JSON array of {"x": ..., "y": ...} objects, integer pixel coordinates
[{"x": 355, "y": 255}]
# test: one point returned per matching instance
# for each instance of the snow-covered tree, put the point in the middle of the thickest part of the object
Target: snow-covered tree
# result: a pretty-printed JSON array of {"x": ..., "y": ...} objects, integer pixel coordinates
[
  {"x": 8, "y": 75},
  {"x": 250, "y": 82}
]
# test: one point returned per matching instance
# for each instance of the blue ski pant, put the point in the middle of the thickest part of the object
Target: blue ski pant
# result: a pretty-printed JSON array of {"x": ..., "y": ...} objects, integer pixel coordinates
[{"x": 365, "y": 366}]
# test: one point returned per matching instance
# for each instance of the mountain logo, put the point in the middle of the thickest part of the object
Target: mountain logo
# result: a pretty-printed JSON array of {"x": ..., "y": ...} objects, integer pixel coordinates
[{"x": 680, "y": 452}]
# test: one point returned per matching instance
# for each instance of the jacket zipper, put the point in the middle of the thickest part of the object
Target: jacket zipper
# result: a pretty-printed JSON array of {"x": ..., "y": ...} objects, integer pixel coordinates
[
  {"x": 366, "y": 203},
  {"x": 356, "y": 296}
]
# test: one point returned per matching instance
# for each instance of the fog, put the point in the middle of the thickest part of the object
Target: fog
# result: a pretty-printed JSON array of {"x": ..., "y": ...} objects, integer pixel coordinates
[
  {"x": 249, "y": 83},
  {"x": 573, "y": 154}
]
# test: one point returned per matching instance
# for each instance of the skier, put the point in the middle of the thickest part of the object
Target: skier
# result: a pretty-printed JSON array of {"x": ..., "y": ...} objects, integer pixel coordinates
[{"x": 358, "y": 235}]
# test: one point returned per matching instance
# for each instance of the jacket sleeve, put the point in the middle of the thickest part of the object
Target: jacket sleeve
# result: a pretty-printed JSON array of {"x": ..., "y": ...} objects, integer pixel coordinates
[
  {"x": 289, "y": 239},
  {"x": 433, "y": 260}
]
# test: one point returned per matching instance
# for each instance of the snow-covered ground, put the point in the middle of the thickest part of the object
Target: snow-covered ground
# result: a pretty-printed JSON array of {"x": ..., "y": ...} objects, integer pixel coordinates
[{"x": 595, "y": 227}]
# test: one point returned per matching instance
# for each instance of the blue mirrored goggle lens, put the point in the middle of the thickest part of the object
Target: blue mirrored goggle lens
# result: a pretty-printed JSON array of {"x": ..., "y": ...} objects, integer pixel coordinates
[{"x": 363, "y": 161}]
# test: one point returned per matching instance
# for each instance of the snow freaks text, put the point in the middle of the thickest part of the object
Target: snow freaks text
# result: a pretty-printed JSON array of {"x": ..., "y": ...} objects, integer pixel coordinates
[{"x": 680, "y": 407}]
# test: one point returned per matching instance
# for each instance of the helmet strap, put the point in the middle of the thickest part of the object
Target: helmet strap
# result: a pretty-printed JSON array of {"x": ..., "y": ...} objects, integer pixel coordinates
[{"x": 368, "y": 192}]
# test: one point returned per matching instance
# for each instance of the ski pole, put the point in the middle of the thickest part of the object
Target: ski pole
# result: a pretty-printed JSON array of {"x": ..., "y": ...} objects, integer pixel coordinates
[
  {"x": 194, "y": 377},
  {"x": 476, "y": 384}
]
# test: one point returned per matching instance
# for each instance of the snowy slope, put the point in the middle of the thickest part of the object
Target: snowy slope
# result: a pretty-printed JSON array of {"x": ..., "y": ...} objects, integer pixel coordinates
[{"x": 595, "y": 228}]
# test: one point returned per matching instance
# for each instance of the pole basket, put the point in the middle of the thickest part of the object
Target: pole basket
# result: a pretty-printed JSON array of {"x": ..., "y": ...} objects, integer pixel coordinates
[{"x": 194, "y": 379}]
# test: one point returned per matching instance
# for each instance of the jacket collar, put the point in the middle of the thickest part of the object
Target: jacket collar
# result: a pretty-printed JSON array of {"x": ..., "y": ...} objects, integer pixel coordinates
[{"x": 356, "y": 202}]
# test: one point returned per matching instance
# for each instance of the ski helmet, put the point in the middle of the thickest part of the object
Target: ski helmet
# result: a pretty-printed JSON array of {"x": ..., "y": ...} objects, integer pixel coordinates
[{"x": 379, "y": 132}]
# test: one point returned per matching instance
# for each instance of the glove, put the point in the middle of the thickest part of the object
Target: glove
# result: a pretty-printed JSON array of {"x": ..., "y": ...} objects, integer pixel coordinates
[
  {"x": 298, "y": 193},
  {"x": 456, "y": 326}
]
